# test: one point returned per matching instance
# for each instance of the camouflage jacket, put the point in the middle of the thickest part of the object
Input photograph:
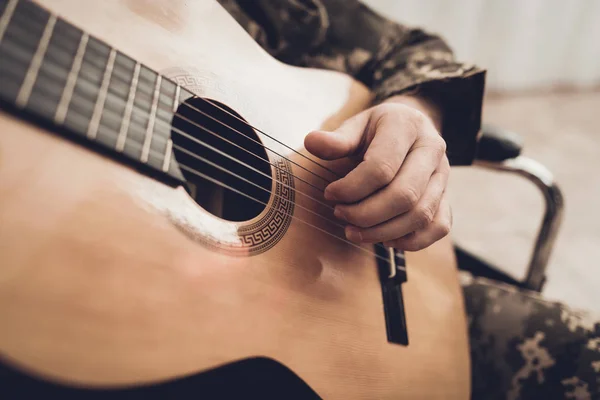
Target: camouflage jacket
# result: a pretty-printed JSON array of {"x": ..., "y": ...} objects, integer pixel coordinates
[{"x": 391, "y": 59}]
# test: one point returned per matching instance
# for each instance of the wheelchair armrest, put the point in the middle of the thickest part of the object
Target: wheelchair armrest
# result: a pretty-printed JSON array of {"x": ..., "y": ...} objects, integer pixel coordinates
[
  {"x": 500, "y": 150},
  {"x": 497, "y": 144}
]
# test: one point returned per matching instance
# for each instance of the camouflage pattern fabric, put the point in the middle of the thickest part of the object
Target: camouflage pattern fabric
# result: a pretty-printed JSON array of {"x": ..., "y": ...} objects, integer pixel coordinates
[
  {"x": 390, "y": 58},
  {"x": 526, "y": 347}
]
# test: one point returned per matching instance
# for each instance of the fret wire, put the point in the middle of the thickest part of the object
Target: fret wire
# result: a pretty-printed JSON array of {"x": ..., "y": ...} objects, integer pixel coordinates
[
  {"x": 7, "y": 16},
  {"x": 168, "y": 152},
  {"x": 65, "y": 99},
  {"x": 150, "y": 128},
  {"x": 128, "y": 109},
  {"x": 36, "y": 62},
  {"x": 95, "y": 120},
  {"x": 176, "y": 98}
]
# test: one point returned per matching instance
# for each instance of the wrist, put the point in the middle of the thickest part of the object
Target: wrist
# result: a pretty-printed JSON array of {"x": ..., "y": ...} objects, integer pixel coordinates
[{"x": 422, "y": 104}]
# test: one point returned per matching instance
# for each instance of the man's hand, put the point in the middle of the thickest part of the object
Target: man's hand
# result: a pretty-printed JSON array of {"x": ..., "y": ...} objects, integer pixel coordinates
[{"x": 395, "y": 195}]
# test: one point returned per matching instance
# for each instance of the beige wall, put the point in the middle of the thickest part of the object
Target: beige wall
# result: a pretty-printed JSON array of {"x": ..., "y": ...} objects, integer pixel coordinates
[{"x": 525, "y": 44}]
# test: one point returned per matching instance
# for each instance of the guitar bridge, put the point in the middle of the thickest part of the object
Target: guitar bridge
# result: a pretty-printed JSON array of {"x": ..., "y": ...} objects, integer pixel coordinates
[{"x": 392, "y": 274}]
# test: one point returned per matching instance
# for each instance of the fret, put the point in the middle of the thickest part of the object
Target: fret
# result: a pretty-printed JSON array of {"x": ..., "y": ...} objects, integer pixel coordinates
[
  {"x": 61, "y": 111},
  {"x": 79, "y": 87},
  {"x": 25, "y": 31},
  {"x": 150, "y": 129},
  {"x": 13, "y": 64},
  {"x": 176, "y": 98},
  {"x": 93, "y": 127},
  {"x": 30, "y": 11},
  {"x": 122, "y": 74},
  {"x": 36, "y": 62},
  {"x": 146, "y": 83},
  {"x": 52, "y": 75},
  {"x": 95, "y": 57},
  {"x": 69, "y": 35},
  {"x": 160, "y": 136},
  {"x": 139, "y": 119},
  {"x": 128, "y": 108},
  {"x": 17, "y": 49},
  {"x": 164, "y": 113},
  {"x": 115, "y": 103},
  {"x": 184, "y": 94},
  {"x": 167, "y": 159},
  {"x": 7, "y": 16}
]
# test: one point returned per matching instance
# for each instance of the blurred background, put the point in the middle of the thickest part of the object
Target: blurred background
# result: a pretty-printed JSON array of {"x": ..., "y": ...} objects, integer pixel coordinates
[{"x": 543, "y": 82}]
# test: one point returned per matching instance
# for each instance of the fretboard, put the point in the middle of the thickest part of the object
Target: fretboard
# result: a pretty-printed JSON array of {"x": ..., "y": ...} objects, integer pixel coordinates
[{"x": 79, "y": 86}]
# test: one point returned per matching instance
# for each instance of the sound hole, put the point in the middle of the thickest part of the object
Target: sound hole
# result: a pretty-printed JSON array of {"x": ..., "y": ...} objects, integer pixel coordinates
[{"x": 240, "y": 162}]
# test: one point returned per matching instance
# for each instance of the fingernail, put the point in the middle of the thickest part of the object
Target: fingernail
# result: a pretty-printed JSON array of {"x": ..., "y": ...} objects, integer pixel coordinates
[
  {"x": 329, "y": 195},
  {"x": 339, "y": 213},
  {"x": 353, "y": 234}
]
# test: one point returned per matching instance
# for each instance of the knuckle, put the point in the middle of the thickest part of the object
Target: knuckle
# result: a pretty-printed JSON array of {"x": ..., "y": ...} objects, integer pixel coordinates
[
  {"x": 438, "y": 146},
  {"x": 443, "y": 229},
  {"x": 407, "y": 199},
  {"x": 386, "y": 109},
  {"x": 423, "y": 217},
  {"x": 442, "y": 145},
  {"x": 419, "y": 117},
  {"x": 383, "y": 172},
  {"x": 444, "y": 166}
]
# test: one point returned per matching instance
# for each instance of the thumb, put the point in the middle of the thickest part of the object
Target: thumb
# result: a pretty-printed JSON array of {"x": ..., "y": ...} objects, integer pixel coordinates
[{"x": 342, "y": 142}]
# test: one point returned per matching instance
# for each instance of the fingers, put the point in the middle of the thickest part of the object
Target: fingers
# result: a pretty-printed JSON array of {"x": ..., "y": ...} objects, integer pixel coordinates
[
  {"x": 420, "y": 217},
  {"x": 396, "y": 193},
  {"x": 394, "y": 129},
  {"x": 404, "y": 193},
  {"x": 343, "y": 142},
  {"x": 436, "y": 230}
]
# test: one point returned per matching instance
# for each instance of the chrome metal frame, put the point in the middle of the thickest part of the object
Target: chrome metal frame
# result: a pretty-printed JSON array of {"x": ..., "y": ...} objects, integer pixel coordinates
[{"x": 541, "y": 177}]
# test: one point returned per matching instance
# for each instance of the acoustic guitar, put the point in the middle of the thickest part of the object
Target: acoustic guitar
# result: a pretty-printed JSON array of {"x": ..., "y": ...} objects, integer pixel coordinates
[{"x": 162, "y": 227}]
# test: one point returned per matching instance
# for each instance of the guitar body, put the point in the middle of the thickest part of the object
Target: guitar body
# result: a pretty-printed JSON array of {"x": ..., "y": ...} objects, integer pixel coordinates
[{"x": 110, "y": 278}]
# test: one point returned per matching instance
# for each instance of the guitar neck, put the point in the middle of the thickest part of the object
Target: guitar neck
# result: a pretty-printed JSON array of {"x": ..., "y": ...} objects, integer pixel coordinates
[{"x": 79, "y": 86}]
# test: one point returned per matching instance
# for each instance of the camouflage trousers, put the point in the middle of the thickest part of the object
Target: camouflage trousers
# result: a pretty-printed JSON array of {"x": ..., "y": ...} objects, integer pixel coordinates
[{"x": 526, "y": 347}]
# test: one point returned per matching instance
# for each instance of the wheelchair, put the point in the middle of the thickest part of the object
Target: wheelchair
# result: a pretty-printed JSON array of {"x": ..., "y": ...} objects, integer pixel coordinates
[{"x": 500, "y": 150}]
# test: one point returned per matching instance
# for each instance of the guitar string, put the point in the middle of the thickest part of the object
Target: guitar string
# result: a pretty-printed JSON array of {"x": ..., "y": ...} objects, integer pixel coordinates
[
  {"x": 119, "y": 78},
  {"x": 320, "y": 190},
  {"x": 327, "y": 181},
  {"x": 212, "y": 103},
  {"x": 220, "y": 152},
  {"x": 238, "y": 176},
  {"x": 242, "y": 193},
  {"x": 271, "y": 137},
  {"x": 190, "y": 137},
  {"x": 111, "y": 114},
  {"x": 181, "y": 132},
  {"x": 260, "y": 144},
  {"x": 224, "y": 185},
  {"x": 283, "y": 144},
  {"x": 248, "y": 151}
]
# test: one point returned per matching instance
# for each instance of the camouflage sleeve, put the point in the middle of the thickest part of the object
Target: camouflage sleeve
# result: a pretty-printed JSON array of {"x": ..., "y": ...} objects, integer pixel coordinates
[
  {"x": 526, "y": 347},
  {"x": 390, "y": 58}
]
